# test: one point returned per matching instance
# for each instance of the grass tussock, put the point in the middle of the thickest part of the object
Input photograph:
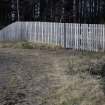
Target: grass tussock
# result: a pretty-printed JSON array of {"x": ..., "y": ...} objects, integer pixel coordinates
[
  {"x": 77, "y": 85},
  {"x": 29, "y": 45},
  {"x": 45, "y": 78}
]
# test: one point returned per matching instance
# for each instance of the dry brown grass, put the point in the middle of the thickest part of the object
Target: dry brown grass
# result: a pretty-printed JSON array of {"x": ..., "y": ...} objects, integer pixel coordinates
[
  {"x": 29, "y": 45},
  {"x": 43, "y": 77}
]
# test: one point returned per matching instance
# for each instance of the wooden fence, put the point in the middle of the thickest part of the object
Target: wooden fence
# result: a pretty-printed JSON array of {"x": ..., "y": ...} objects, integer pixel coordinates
[{"x": 90, "y": 37}]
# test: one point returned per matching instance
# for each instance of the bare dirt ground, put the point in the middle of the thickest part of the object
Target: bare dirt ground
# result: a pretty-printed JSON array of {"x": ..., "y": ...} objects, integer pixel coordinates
[{"x": 42, "y": 77}]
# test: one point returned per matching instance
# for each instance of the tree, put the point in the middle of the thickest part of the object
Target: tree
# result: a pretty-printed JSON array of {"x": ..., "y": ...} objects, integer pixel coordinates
[
  {"x": 18, "y": 11},
  {"x": 77, "y": 11},
  {"x": 12, "y": 11}
]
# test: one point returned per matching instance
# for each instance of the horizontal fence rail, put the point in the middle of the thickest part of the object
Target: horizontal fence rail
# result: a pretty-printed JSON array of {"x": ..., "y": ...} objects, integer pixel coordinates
[{"x": 90, "y": 37}]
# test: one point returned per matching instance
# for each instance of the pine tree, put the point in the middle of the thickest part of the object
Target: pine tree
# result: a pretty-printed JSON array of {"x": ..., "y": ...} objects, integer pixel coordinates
[
  {"x": 36, "y": 9},
  {"x": 13, "y": 11}
]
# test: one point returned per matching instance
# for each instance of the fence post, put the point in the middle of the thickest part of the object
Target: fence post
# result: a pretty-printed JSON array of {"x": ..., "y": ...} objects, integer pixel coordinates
[
  {"x": 65, "y": 35},
  {"x": 103, "y": 37}
]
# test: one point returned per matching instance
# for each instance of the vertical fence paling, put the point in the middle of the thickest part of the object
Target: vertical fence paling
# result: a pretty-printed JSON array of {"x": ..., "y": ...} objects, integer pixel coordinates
[
  {"x": 103, "y": 37},
  {"x": 89, "y": 37}
]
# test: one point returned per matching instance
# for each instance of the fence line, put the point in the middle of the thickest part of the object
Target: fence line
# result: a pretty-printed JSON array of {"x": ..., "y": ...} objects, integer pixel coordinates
[{"x": 89, "y": 37}]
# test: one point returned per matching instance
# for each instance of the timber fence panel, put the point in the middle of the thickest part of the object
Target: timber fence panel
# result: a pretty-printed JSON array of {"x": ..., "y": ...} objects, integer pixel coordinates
[
  {"x": 68, "y": 34},
  {"x": 79, "y": 37},
  {"x": 103, "y": 37},
  {"x": 96, "y": 33},
  {"x": 89, "y": 37}
]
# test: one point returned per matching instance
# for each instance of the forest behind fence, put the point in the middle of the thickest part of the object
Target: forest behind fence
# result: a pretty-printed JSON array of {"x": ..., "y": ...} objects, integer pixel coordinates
[
  {"x": 69, "y": 11},
  {"x": 90, "y": 37}
]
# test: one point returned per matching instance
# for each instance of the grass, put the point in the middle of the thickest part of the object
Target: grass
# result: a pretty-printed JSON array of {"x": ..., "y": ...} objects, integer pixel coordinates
[
  {"x": 80, "y": 88},
  {"x": 29, "y": 45},
  {"x": 51, "y": 77}
]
